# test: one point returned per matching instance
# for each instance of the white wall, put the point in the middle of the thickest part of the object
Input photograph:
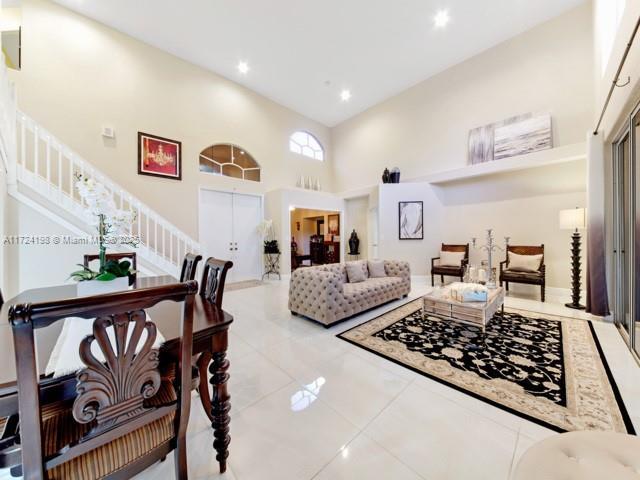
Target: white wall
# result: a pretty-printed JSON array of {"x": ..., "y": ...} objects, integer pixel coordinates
[
  {"x": 425, "y": 128},
  {"x": 356, "y": 217},
  {"x": 523, "y": 205},
  {"x": 79, "y": 75}
]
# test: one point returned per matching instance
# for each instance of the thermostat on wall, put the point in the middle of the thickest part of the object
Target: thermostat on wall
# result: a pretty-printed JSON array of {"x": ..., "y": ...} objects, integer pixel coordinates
[{"x": 108, "y": 132}]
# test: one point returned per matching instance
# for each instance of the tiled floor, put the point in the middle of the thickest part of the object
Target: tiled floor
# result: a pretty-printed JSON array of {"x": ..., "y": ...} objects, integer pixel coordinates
[{"x": 307, "y": 405}]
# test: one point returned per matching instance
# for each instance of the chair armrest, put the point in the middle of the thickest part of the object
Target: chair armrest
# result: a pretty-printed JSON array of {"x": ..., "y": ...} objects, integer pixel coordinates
[
  {"x": 433, "y": 260},
  {"x": 502, "y": 265}
]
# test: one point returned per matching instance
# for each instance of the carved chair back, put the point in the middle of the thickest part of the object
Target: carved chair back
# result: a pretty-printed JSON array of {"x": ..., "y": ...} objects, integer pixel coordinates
[
  {"x": 525, "y": 250},
  {"x": 456, "y": 248},
  {"x": 131, "y": 256},
  {"x": 111, "y": 390},
  {"x": 214, "y": 276},
  {"x": 189, "y": 266}
]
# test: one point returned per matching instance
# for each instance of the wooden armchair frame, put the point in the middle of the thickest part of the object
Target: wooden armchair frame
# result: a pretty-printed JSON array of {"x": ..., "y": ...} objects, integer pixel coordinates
[
  {"x": 447, "y": 270},
  {"x": 528, "y": 278}
]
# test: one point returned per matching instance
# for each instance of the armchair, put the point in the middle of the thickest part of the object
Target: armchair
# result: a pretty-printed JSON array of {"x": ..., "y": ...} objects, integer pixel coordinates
[
  {"x": 452, "y": 271},
  {"x": 517, "y": 276}
]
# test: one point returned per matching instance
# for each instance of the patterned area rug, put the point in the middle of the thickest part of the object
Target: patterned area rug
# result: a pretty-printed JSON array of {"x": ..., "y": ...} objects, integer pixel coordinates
[{"x": 547, "y": 369}]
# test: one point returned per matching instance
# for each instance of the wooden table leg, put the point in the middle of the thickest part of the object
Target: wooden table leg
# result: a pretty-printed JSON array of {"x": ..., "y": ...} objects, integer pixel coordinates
[{"x": 218, "y": 405}]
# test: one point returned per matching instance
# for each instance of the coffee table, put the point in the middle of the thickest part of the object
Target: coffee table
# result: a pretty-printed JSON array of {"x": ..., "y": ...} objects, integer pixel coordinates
[{"x": 440, "y": 303}]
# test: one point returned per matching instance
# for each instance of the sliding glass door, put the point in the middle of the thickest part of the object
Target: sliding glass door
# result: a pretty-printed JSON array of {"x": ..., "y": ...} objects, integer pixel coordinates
[{"x": 626, "y": 206}]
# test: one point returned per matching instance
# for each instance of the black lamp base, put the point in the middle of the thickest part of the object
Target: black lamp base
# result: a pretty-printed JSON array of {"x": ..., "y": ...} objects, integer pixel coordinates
[
  {"x": 575, "y": 273},
  {"x": 575, "y": 307}
]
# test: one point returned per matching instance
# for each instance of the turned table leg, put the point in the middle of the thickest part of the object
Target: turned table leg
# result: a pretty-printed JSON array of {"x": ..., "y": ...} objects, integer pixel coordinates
[{"x": 217, "y": 405}]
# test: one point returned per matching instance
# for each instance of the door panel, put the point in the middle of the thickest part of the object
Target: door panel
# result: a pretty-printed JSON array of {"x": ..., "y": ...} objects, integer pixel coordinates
[
  {"x": 247, "y": 214},
  {"x": 635, "y": 228},
  {"x": 216, "y": 224}
]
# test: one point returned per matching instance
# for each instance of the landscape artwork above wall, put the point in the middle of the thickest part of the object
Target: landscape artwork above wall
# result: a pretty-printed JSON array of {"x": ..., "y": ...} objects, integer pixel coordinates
[
  {"x": 523, "y": 137},
  {"x": 516, "y": 135},
  {"x": 410, "y": 216}
]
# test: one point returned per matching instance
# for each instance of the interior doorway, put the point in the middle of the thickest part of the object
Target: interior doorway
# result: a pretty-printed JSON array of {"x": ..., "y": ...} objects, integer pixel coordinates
[
  {"x": 315, "y": 237},
  {"x": 229, "y": 231}
]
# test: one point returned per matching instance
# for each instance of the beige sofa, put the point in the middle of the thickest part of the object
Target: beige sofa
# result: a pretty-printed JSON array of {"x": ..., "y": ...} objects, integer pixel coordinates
[{"x": 323, "y": 293}]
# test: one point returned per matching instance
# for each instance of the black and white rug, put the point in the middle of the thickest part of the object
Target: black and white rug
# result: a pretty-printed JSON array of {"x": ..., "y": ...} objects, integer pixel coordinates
[{"x": 547, "y": 369}]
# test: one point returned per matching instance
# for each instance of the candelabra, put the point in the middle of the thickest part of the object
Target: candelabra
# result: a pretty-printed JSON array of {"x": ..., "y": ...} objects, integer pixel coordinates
[{"x": 491, "y": 247}]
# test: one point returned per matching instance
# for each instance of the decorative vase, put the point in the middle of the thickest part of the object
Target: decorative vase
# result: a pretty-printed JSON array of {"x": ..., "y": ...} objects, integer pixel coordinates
[
  {"x": 394, "y": 176},
  {"x": 99, "y": 287},
  {"x": 385, "y": 176},
  {"x": 354, "y": 243}
]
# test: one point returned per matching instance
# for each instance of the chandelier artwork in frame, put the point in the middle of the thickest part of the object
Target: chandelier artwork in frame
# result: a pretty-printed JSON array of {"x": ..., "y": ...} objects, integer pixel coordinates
[
  {"x": 410, "y": 220},
  {"x": 159, "y": 157}
]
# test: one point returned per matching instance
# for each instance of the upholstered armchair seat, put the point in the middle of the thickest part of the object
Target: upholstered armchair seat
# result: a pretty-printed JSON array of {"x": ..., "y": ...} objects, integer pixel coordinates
[
  {"x": 449, "y": 270},
  {"x": 59, "y": 429},
  {"x": 538, "y": 277},
  {"x": 323, "y": 293}
]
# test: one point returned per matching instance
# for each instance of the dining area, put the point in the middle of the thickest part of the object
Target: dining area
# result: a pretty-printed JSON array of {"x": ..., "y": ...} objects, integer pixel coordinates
[{"x": 99, "y": 385}]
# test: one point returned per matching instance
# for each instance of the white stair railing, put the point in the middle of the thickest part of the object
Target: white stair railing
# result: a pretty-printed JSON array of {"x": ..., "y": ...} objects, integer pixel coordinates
[
  {"x": 7, "y": 121},
  {"x": 49, "y": 168}
]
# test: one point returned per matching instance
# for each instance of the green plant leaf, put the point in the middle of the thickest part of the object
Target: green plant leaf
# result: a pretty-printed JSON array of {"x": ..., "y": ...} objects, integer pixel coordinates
[{"x": 106, "y": 277}]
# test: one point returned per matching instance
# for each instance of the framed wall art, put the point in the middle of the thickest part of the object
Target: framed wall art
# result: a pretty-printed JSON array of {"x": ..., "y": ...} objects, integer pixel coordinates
[
  {"x": 159, "y": 157},
  {"x": 410, "y": 216}
]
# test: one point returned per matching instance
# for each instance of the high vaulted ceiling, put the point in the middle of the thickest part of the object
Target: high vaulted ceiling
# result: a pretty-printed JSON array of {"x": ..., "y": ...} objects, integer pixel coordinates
[{"x": 303, "y": 53}]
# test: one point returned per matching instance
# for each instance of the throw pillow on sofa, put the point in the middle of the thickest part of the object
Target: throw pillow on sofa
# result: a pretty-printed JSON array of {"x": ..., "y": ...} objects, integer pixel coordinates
[
  {"x": 355, "y": 273},
  {"x": 376, "y": 269},
  {"x": 451, "y": 259},
  {"x": 524, "y": 263}
]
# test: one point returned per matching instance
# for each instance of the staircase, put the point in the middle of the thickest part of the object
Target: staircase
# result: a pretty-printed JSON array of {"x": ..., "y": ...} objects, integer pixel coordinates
[{"x": 41, "y": 172}]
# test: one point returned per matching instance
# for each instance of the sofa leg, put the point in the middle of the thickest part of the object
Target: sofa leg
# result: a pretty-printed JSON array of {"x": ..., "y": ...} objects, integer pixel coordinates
[
  {"x": 506, "y": 284},
  {"x": 295, "y": 314},
  {"x": 441, "y": 279},
  {"x": 542, "y": 293},
  {"x": 433, "y": 281}
]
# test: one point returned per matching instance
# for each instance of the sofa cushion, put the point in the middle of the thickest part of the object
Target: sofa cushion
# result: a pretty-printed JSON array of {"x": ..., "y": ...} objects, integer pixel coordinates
[
  {"x": 451, "y": 259},
  {"x": 371, "y": 287},
  {"x": 354, "y": 272},
  {"x": 524, "y": 263},
  {"x": 376, "y": 269}
]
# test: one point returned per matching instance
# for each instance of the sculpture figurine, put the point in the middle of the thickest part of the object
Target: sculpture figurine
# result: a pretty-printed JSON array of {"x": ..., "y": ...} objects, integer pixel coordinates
[
  {"x": 354, "y": 243},
  {"x": 386, "y": 176}
]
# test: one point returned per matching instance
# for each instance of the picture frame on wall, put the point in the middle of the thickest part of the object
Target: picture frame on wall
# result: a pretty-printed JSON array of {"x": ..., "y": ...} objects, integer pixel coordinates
[
  {"x": 334, "y": 224},
  {"x": 159, "y": 156},
  {"x": 410, "y": 220}
]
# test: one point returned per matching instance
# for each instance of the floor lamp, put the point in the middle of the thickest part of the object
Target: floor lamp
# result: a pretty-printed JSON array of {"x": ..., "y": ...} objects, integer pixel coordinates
[{"x": 574, "y": 219}]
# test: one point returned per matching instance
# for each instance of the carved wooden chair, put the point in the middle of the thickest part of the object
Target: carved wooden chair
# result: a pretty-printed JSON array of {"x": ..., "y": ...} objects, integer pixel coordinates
[
  {"x": 131, "y": 256},
  {"x": 530, "y": 278},
  {"x": 451, "y": 271},
  {"x": 214, "y": 276},
  {"x": 189, "y": 266},
  {"x": 125, "y": 415}
]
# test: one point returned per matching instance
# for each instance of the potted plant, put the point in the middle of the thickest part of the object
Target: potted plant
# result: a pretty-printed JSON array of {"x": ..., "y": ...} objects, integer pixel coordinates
[
  {"x": 111, "y": 224},
  {"x": 270, "y": 243}
]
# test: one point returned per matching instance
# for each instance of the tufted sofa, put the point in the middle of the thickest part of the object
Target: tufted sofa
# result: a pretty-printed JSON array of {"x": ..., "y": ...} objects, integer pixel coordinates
[{"x": 323, "y": 293}]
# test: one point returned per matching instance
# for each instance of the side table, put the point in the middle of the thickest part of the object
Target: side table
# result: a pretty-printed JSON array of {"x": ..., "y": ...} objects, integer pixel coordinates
[{"x": 271, "y": 265}]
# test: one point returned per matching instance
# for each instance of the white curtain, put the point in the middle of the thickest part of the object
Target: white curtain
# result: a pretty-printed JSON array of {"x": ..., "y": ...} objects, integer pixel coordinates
[{"x": 597, "y": 298}]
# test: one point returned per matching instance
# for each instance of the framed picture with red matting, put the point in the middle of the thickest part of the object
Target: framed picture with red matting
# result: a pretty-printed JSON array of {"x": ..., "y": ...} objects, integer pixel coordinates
[{"x": 159, "y": 157}]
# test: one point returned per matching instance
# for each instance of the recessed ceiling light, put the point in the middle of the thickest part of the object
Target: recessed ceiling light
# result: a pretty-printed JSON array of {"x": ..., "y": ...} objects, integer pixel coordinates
[
  {"x": 243, "y": 67},
  {"x": 345, "y": 95},
  {"x": 441, "y": 19}
]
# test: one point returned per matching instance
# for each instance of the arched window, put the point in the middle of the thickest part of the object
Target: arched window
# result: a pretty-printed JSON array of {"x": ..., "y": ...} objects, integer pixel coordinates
[
  {"x": 306, "y": 144},
  {"x": 230, "y": 161}
]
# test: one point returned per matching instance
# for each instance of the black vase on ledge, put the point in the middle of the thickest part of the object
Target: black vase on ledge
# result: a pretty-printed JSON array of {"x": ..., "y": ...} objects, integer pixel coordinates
[
  {"x": 354, "y": 244},
  {"x": 386, "y": 176}
]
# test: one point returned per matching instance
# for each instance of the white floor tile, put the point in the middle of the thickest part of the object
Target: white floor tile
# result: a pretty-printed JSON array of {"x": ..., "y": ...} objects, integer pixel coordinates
[{"x": 365, "y": 459}]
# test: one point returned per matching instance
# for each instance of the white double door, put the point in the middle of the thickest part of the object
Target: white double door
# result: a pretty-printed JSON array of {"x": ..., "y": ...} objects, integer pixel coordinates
[{"x": 229, "y": 231}]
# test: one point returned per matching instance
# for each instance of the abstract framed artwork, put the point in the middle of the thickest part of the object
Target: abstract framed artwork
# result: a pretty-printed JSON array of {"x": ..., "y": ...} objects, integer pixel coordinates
[
  {"x": 410, "y": 220},
  {"x": 159, "y": 157}
]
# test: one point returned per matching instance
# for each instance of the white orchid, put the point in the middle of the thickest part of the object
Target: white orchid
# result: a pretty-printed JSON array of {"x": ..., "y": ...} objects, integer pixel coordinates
[{"x": 265, "y": 228}]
